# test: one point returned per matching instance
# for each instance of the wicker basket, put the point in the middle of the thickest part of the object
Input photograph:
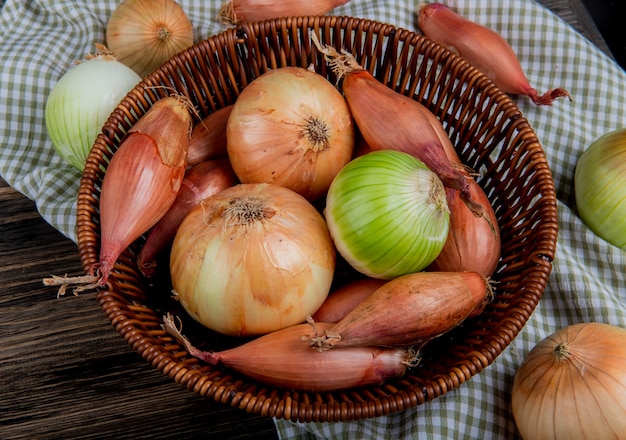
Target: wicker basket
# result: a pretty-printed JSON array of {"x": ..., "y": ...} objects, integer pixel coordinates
[{"x": 490, "y": 134}]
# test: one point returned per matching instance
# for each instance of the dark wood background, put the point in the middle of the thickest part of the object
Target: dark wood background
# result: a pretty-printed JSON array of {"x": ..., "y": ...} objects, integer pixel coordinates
[{"x": 64, "y": 371}]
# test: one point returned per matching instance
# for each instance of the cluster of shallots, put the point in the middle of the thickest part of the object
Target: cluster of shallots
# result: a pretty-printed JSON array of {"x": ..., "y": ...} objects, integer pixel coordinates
[{"x": 365, "y": 176}]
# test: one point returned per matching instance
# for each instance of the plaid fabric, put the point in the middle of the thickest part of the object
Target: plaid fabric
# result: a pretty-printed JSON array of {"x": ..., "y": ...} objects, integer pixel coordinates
[{"x": 40, "y": 40}]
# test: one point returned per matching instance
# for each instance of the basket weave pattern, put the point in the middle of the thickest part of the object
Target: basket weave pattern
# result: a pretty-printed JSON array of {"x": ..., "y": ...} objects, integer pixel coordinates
[{"x": 490, "y": 135}]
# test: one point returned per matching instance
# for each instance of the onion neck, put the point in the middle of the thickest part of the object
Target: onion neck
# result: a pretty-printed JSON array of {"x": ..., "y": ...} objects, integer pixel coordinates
[
  {"x": 562, "y": 352},
  {"x": 163, "y": 33},
  {"x": 316, "y": 132},
  {"x": 246, "y": 210}
]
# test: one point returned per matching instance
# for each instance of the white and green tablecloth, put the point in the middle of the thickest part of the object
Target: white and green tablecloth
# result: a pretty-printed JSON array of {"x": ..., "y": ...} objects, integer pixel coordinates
[{"x": 40, "y": 39}]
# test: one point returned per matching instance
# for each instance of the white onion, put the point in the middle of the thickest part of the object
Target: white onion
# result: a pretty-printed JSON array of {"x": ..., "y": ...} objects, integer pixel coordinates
[
  {"x": 82, "y": 100},
  {"x": 600, "y": 187}
]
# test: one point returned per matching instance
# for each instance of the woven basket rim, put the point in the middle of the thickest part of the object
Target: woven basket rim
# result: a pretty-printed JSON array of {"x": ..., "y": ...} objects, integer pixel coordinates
[{"x": 123, "y": 300}]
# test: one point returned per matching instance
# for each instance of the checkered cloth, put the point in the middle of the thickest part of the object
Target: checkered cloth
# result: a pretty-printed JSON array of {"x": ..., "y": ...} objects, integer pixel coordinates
[{"x": 40, "y": 41}]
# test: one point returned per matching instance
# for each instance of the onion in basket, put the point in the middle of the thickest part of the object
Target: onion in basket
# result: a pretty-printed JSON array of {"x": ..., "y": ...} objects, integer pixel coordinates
[
  {"x": 290, "y": 127},
  {"x": 409, "y": 311},
  {"x": 252, "y": 259},
  {"x": 387, "y": 214}
]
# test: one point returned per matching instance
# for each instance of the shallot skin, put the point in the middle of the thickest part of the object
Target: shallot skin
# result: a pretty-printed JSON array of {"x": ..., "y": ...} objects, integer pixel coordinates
[
  {"x": 201, "y": 181},
  {"x": 409, "y": 310},
  {"x": 143, "y": 178},
  {"x": 341, "y": 301},
  {"x": 472, "y": 245},
  {"x": 482, "y": 47},
  {"x": 208, "y": 138},
  {"x": 284, "y": 359}
]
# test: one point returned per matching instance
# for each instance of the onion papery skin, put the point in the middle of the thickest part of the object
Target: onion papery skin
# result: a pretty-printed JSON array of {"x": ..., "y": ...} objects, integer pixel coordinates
[
  {"x": 582, "y": 396},
  {"x": 600, "y": 187},
  {"x": 246, "y": 278},
  {"x": 80, "y": 103},
  {"x": 144, "y": 34},
  {"x": 290, "y": 127},
  {"x": 387, "y": 214}
]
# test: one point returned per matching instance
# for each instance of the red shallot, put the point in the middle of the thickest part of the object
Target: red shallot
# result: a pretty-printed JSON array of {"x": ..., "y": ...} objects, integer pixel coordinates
[
  {"x": 284, "y": 359},
  {"x": 140, "y": 184},
  {"x": 341, "y": 301},
  {"x": 238, "y": 11}
]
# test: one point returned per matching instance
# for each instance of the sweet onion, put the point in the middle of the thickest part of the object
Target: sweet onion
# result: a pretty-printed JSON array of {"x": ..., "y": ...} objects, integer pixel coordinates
[
  {"x": 252, "y": 259},
  {"x": 82, "y": 100},
  {"x": 387, "y": 214},
  {"x": 572, "y": 385},
  {"x": 599, "y": 185}
]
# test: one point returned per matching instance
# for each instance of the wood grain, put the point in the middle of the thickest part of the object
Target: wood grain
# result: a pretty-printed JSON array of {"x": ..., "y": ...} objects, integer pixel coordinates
[{"x": 65, "y": 372}]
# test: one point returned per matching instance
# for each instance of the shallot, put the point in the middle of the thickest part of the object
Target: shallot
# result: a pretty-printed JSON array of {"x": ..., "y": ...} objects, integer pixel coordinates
[
  {"x": 483, "y": 48},
  {"x": 208, "y": 137},
  {"x": 341, "y": 301},
  {"x": 201, "y": 181},
  {"x": 472, "y": 244},
  {"x": 140, "y": 184},
  {"x": 283, "y": 359},
  {"x": 238, "y": 11},
  {"x": 409, "y": 310}
]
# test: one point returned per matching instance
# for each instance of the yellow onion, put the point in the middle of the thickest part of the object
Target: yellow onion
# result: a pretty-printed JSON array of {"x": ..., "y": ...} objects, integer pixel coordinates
[
  {"x": 82, "y": 100},
  {"x": 572, "y": 385},
  {"x": 252, "y": 259},
  {"x": 292, "y": 128},
  {"x": 144, "y": 34},
  {"x": 599, "y": 182}
]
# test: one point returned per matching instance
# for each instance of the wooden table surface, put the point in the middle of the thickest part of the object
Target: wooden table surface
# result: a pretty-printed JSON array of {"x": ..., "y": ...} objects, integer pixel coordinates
[{"x": 64, "y": 371}]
